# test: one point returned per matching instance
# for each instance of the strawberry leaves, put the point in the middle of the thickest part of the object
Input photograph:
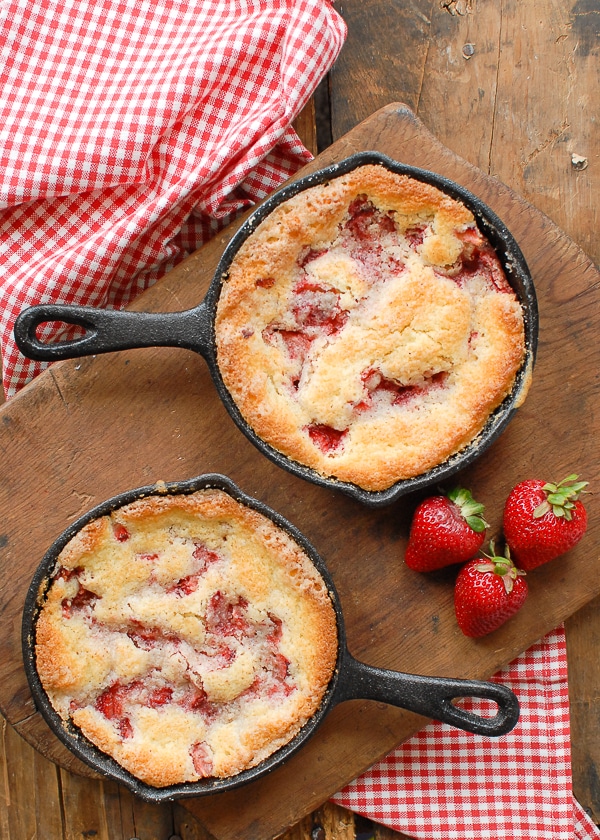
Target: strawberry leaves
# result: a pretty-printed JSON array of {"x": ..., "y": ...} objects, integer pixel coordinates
[
  {"x": 501, "y": 566},
  {"x": 561, "y": 497},
  {"x": 471, "y": 510}
]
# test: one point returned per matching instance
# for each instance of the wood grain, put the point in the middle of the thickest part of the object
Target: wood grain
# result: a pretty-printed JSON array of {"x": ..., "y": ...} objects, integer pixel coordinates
[
  {"x": 517, "y": 108},
  {"x": 28, "y": 770},
  {"x": 518, "y": 103},
  {"x": 160, "y": 408},
  {"x": 570, "y": 289},
  {"x": 38, "y": 799}
]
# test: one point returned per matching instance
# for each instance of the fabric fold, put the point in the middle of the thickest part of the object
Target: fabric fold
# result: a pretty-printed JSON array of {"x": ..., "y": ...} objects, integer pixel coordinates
[
  {"x": 132, "y": 131},
  {"x": 445, "y": 784}
]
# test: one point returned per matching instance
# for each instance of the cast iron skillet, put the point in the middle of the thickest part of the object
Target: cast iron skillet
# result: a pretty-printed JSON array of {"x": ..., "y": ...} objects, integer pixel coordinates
[
  {"x": 429, "y": 696},
  {"x": 193, "y": 329}
]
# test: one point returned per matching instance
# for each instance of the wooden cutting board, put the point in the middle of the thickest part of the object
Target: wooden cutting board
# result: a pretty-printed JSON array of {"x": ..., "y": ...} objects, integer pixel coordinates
[{"x": 88, "y": 429}]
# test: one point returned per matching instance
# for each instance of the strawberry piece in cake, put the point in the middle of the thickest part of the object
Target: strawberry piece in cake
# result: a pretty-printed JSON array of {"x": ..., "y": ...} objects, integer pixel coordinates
[{"x": 207, "y": 643}]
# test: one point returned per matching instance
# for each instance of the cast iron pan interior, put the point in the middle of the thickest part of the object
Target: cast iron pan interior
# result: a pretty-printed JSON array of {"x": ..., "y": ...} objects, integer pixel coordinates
[
  {"x": 428, "y": 696},
  {"x": 193, "y": 329}
]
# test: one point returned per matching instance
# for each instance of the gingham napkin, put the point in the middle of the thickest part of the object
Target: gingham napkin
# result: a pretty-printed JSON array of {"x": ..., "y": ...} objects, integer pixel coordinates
[
  {"x": 131, "y": 130},
  {"x": 445, "y": 784}
]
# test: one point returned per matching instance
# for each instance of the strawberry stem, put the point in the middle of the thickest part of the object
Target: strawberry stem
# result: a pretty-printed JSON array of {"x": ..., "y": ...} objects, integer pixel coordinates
[
  {"x": 502, "y": 566},
  {"x": 470, "y": 509}
]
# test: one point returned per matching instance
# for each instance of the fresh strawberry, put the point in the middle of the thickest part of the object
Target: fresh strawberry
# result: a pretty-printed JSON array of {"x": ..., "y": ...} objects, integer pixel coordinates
[
  {"x": 488, "y": 591},
  {"x": 445, "y": 530},
  {"x": 543, "y": 520}
]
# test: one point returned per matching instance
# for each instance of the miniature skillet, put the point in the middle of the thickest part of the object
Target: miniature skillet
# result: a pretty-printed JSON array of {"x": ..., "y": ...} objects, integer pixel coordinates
[
  {"x": 193, "y": 329},
  {"x": 352, "y": 679}
]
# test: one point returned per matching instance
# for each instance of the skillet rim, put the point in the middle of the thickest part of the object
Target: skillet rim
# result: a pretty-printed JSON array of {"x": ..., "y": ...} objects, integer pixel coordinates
[
  {"x": 518, "y": 275},
  {"x": 70, "y": 735}
]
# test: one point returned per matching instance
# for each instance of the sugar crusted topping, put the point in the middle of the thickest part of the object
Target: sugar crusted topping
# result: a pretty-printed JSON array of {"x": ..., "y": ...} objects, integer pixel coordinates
[{"x": 194, "y": 639}]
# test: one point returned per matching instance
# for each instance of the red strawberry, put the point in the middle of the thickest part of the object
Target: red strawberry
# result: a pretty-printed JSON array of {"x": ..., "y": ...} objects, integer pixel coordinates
[
  {"x": 445, "y": 530},
  {"x": 488, "y": 591},
  {"x": 544, "y": 520}
]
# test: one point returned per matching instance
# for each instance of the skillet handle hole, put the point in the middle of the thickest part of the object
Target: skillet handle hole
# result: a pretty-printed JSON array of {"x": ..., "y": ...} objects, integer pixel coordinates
[
  {"x": 480, "y": 706},
  {"x": 59, "y": 332}
]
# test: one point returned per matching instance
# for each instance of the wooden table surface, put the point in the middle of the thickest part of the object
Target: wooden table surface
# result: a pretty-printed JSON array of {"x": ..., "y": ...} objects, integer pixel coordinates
[{"x": 512, "y": 88}]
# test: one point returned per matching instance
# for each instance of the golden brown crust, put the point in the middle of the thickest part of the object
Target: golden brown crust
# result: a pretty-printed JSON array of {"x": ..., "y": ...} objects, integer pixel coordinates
[
  {"x": 186, "y": 635},
  {"x": 349, "y": 290}
]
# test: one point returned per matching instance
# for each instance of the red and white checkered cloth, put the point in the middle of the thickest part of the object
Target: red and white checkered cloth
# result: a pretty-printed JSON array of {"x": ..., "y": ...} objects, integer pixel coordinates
[
  {"x": 445, "y": 784},
  {"x": 132, "y": 130}
]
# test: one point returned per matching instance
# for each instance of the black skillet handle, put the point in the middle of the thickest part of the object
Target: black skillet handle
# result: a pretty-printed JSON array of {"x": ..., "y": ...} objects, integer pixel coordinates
[
  {"x": 107, "y": 330},
  {"x": 431, "y": 696}
]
